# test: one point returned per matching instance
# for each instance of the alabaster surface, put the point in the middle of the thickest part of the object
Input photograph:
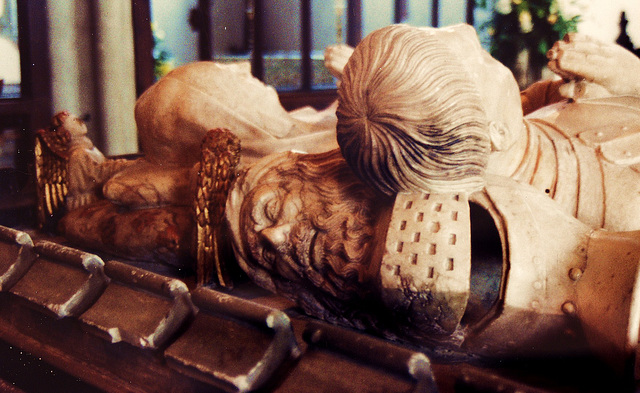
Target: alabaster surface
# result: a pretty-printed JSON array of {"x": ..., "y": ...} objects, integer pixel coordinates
[
  {"x": 161, "y": 236},
  {"x": 71, "y": 175},
  {"x": 305, "y": 226},
  {"x": 425, "y": 109},
  {"x": 595, "y": 69},
  {"x": 336, "y": 57},
  {"x": 585, "y": 155},
  {"x": 174, "y": 115},
  {"x": 458, "y": 252},
  {"x": 144, "y": 184},
  {"x": 70, "y": 169},
  {"x": 491, "y": 273},
  {"x": 431, "y": 209}
]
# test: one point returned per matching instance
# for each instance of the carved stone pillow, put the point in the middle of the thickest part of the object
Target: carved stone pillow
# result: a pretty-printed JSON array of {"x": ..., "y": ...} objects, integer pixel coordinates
[{"x": 161, "y": 236}]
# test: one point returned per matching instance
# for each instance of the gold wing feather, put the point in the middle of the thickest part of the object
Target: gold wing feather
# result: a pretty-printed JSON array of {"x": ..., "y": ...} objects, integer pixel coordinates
[
  {"x": 220, "y": 155},
  {"x": 51, "y": 164}
]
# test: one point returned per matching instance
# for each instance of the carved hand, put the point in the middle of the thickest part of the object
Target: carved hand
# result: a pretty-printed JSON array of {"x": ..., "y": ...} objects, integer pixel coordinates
[
  {"x": 336, "y": 57},
  {"x": 593, "y": 68}
]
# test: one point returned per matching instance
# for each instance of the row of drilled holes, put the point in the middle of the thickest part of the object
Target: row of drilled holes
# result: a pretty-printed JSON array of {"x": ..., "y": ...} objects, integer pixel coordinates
[
  {"x": 420, "y": 216},
  {"x": 427, "y": 196},
  {"x": 434, "y": 227},
  {"x": 431, "y": 270},
  {"x": 432, "y": 246}
]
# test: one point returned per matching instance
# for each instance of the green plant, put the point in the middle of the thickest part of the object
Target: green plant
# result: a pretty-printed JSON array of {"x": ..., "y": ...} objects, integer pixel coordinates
[
  {"x": 162, "y": 59},
  {"x": 528, "y": 24}
]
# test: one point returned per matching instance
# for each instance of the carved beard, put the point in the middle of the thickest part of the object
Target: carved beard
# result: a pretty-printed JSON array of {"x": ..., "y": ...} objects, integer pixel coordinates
[
  {"x": 315, "y": 248},
  {"x": 320, "y": 254},
  {"x": 322, "y": 265}
]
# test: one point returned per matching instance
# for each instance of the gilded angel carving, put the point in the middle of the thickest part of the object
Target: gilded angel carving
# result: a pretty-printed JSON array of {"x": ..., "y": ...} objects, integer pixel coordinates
[
  {"x": 220, "y": 155},
  {"x": 70, "y": 170}
]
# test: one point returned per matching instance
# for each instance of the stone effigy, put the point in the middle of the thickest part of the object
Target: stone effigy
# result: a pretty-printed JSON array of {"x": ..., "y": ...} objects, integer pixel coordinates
[
  {"x": 414, "y": 85},
  {"x": 401, "y": 230},
  {"x": 174, "y": 115},
  {"x": 432, "y": 246},
  {"x": 143, "y": 209},
  {"x": 70, "y": 170},
  {"x": 500, "y": 272}
]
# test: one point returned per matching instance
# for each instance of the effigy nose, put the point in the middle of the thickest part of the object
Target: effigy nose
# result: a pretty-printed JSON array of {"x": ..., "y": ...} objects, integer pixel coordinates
[{"x": 277, "y": 235}]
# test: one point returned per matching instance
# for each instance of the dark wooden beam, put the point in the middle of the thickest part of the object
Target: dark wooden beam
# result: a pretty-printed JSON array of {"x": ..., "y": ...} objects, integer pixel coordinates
[
  {"x": 435, "y": 13},
  {"x": 142, "y": 44},
  {"x": 306, "y": 39},
  {"x": 354, "y": 22},
  {"x": 471, "y": 6},
  {"x": 205, "y": 42},
  {"x": 34, "y": 60},
  {"x": 35, "y": 89},
  {"x": 318, "y": 99},
  {"x": 255, "y": 14},
  {"x": 400, "y": 11}
]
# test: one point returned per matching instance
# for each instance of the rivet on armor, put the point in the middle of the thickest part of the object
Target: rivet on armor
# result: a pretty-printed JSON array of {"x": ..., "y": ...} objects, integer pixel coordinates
[
  {"x": 535, "y": 304},
  {"x": 569, "y": 308},
  {"x": 537, "y": 285},
  {"x": 575, "y": 273}
]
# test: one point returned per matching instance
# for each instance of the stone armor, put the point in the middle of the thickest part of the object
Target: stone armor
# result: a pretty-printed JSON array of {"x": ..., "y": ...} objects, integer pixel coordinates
[
  {"x": 585, "y": 155},
  {"x": 532, "y": 278}
]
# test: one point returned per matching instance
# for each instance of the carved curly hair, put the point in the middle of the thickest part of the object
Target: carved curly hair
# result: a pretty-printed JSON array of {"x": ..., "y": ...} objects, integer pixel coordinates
[
  {"x": 409, "y": 117},
  {"x": 325, "y": 273}
]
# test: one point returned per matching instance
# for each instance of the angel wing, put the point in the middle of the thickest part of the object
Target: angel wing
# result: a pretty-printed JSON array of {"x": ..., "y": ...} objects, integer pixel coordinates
[
  {"x": 51, "y": 163},
  {"x": 220, "y": 155}
]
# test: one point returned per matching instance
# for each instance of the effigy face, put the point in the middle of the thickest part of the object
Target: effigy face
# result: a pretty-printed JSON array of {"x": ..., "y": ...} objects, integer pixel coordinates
[
  {"x": 276, "y": 229},
  {"x": 304, "y": 226},
  {"x": 74, "y": 125}
]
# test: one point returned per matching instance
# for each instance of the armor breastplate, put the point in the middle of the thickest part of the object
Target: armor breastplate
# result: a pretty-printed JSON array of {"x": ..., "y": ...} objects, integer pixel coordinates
[
  {"x": 551, "y": 297},
  {"x": 567, "y": 145}
]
